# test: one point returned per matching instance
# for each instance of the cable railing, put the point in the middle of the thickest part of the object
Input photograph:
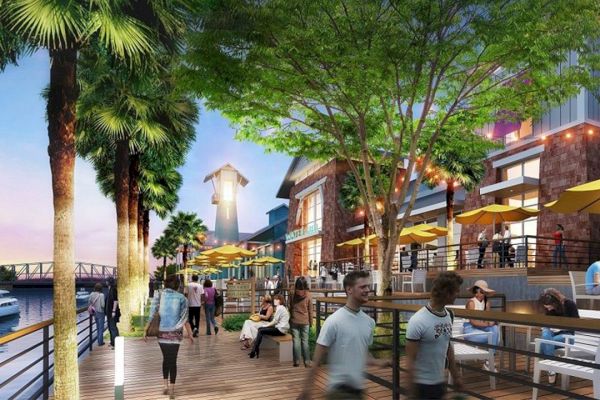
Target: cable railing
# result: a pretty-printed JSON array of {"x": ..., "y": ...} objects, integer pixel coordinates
[
  {"x": 25, "y": 365},
  {"x": 389, "y": 339}
]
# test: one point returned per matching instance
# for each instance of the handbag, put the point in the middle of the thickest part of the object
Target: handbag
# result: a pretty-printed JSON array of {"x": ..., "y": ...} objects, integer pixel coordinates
[
  {"x": 91, "y": 310},
  {"x": 218, "y": 302},
  {"x": 153, "y": 328}
]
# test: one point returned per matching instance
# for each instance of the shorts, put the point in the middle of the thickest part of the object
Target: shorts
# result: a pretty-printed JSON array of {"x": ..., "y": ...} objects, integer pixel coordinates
[{"x": 430, "y": 392}]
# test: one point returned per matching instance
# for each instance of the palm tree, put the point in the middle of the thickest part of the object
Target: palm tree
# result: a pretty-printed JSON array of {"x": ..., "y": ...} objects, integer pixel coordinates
[
  {"x": 73, "y": 26},
  {"x": 164, "y": 247},
  {"x": 185, "y": 229}
]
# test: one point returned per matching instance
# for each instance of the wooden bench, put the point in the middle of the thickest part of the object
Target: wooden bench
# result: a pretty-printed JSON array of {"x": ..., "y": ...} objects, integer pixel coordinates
[
  {"x": 578, "y": 287},
  {"x": 284, "y": 343}
]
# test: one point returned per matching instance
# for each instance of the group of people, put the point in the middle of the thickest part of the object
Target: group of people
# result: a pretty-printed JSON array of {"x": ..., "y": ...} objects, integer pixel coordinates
[
  {"x": 105, "y": 307},
  {"x": 503, "y": 251}
]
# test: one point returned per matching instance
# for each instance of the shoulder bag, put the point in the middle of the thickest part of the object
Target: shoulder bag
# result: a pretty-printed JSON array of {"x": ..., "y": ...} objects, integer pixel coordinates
[{"x": 154, "y": 324}]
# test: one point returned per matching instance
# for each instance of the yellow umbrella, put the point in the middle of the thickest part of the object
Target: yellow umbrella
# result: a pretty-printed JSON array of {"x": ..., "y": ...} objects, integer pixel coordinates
[
  {"x": 495, "y": 213},
  {"x": 188, "y": 271},
  {"x": 269, "y": 260},
  {"x": 208, "y": 271},
  {"x": 409, "y": 235},
  {"x": 352, "y": 242},
  {"x": 580, "y": 198},
  {"x": 229, "y": 251},
  {"x": 438, "y": 230}
]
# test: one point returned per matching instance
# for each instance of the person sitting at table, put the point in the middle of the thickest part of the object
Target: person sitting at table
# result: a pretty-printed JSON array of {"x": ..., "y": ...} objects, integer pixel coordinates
[
  {"x": 250, "y": 328},
  {"x": 592, "y": 279},
  {"x": 279, "y": 326},
  {"x": 480, "y": 302},
  {"x": 556, "y": 304}
]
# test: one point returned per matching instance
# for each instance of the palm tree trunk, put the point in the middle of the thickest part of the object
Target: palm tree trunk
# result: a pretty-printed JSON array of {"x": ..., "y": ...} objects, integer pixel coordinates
[
  {"x": 61, "y": 113},
  {"x": 146, "y": 234},
  {"x": 140, "y": 241},
  {"x": 450, "y": 223},
  {"x": 164, "y": 268},
  {"x": 122, "y": 206},
  {"x": 134, "y": 270}
]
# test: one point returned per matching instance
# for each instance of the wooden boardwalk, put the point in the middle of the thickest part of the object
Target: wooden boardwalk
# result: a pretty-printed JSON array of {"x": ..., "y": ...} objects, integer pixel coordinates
[{"x": 215, "y": 368}]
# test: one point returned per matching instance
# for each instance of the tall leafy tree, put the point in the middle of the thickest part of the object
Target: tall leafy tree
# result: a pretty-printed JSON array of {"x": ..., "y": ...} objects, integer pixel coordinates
[
  {"x": 63, "y": 28},
  {"x": 187, "y": 231},
  {"x": 365, "y": 81}
]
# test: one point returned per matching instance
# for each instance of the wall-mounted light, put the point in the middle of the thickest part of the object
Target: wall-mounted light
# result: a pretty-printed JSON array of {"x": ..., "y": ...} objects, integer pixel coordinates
[
  {"x": 543, "y": 138},
  {"x": 568, "y": 135},
  {"x": 590, "y": 132}
]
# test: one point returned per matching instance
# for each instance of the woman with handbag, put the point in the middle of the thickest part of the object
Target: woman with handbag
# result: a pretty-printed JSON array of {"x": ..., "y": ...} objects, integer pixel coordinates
[
  {"x": 250, "y": 328},
  {"x": 279, "y": 326},
  {"x": 210, "y": 299},
  {"x": 96, "y": 308},
  {"x": 169, "y": 315}
]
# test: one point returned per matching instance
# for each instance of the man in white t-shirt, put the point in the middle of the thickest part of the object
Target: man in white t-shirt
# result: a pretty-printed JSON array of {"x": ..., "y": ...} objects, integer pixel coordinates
[
  {"x": 345, "y": 337},
  {"x": 194, "y": 292},
  {"x": 428, "y": 341}
]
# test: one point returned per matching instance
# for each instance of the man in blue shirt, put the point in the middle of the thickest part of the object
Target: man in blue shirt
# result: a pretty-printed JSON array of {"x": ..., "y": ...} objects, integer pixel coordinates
[{"x": 592, "y": 279}]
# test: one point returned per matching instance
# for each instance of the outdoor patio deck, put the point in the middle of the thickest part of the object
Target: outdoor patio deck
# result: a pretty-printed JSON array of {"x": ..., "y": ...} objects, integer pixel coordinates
[{"x": 215, "y": 368}]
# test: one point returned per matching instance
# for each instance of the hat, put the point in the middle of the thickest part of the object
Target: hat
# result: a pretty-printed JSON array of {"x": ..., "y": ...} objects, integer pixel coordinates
[{"x": 481, "y": 284}]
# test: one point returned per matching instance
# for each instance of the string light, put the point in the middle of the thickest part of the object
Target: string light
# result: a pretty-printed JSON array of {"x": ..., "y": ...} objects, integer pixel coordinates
[
  {"x": 590, "y": 132},
  {"x": 568, "y": 135},
  {"x": 543, "y": 138}
]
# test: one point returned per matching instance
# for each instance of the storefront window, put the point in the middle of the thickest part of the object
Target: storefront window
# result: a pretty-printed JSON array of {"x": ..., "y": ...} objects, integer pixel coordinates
[
  {"x": 529, "y": 168},
  {"x": 312, "y": 210},
  {"x": 529, "y": 226},
  {"x": 526, "y": 129},
  {"x": 311, "y": 257}
]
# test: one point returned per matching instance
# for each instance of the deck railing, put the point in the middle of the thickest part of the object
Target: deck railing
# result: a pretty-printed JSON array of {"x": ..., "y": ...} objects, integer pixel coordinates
[
  {"x": 529, "y": 251},
  {"x": 396, "y": 328},
  {"x": 39, "y": 354},
  {"x": 44, "y": 270}
]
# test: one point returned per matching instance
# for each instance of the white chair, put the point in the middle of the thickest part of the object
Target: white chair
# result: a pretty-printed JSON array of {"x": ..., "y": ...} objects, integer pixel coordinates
[
  {"x": 471, "y": 257},
  {"x": 578, "y": 287},
  {"x": 416, "y": 277},
  {"x": 567, "y": 369}
]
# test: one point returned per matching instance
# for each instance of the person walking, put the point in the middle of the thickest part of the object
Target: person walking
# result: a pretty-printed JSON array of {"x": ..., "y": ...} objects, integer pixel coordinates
[
  {"x": 345, "y": 339},
  {"x": 323, "y": 275},
  {"x": 194, "y": 292},
  {"x": 480, "y": 302},
  {"x": 301, "y": 321},
  {"x": 558, "y": 255},
  {"x": 210, "y": 294},
  {"x": 112, "y": 311},
  {"x": 506, "y": 237},
  {"x": 173, "y": 311},
  {"x": 428, "y": 345},
  {"x": 96, "y": 305},
  {"x": 482, "y": 242},
  {"x": 279, "y": 326},
  {"x": 556, "y": 304}
]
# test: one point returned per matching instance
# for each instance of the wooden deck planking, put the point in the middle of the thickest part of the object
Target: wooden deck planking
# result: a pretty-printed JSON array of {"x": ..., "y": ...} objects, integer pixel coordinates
[{"x": 214, "y": 368}]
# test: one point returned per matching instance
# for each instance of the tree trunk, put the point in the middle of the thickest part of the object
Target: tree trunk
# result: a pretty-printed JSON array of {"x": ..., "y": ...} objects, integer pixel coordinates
[
  {"x": 134, "y": 265},
  {"x": 164, "y": 268},
  {"x": 184, "y": 257},
  {"x": 146, "y": 234},
  {"x": 61, "y": 111},
  {"x": 122, "y": 206},
  {"x": 140, "y": 242},
  {"x": 452, "y": 261}
]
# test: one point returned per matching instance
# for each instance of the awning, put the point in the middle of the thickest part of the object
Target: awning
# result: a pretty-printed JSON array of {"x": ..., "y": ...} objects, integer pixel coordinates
[{"x": 511, "y": 187}]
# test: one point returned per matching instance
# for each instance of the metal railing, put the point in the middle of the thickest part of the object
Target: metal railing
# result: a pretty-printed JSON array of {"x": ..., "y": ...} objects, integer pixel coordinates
[
  {"x": 40, "y": 354},
  {"x": 529, "y": 251},
  {"x": 45, "y": 271},
  {"x": 395, "y": 329}
]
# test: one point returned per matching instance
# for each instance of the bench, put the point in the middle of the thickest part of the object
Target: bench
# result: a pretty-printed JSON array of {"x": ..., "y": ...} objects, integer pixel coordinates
[
  {"x": 467, "y": 352},
  {"x": 283, "y": 342},
  {"x": 578, "y": 287}
]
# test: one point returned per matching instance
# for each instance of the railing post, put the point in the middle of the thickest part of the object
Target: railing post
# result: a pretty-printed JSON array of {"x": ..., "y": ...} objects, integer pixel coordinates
[
  {"x": 46, "y": 366},
  {"x": 396, "y": 355},
  {"x": 526, "y": 252},
  {"x": 318, "y": 321},
  {"x": 461, "y": 263},
  {"x": 91, "y": 333}
]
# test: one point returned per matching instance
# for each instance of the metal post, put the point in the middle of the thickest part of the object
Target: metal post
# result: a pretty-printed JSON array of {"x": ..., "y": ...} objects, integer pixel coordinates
[
  {"x": 119, "y": 367},
  {"x": 91, "y": 333},
  {"x": 318, "y": 322},
  {"x": 46, "y": 362},
  {"x": 461, "y": 264},
  {"x": 526, "y": 252},
  {"x": 396, "y": 355}
]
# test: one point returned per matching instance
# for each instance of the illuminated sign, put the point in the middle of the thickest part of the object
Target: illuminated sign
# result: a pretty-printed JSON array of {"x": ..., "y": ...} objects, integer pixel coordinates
[{"x": 298, "y": 234}]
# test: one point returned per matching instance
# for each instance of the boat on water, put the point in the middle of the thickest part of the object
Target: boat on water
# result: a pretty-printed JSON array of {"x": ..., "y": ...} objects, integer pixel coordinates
[
  {"x": 82, "y": 294},
  {"x": 8, "y": 305}
]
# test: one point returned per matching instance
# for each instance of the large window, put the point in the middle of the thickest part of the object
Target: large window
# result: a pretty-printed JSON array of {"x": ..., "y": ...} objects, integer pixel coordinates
[
  {"x": 529, "y": 226},
  {"x": 311, "y": 257},
  {"x": 524, "y": 131},
  {"x": 312, "y": 210},
  {"x": 529, "y": 168}
]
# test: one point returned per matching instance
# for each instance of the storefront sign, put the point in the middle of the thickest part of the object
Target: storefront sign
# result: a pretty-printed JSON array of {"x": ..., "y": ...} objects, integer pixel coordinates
[
  {"x": 239, "y": 290},
  {"x": 302, "y": 233}
]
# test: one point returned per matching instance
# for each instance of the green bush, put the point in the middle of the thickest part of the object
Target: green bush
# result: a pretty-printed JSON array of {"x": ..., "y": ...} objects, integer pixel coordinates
[
  {"x": 7, "y": 274},
  {"x": 234, "y": 322}
]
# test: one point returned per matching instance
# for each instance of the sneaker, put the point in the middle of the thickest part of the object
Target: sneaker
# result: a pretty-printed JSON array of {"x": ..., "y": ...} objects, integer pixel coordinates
[
  {"x": 551, "y": 378},
  {"x": 195, "y": 332},
  {"x": 216, "y": 330},
  {"x": 486, "y": 366}
]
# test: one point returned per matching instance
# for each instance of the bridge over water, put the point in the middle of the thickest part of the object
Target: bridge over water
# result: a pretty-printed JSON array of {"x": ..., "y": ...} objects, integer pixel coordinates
[{"x": 40, "y": 274}]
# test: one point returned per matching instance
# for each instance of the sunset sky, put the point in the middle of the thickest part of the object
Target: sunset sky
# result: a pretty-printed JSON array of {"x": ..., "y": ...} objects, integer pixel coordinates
[{"x": 25, "y": 185}]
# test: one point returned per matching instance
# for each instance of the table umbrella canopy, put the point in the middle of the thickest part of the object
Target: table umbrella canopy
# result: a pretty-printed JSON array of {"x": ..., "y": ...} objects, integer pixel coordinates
[
  {"x": 229, "y": 251},
  {"x": 208, "y": 271},
  {"x": 496, "y": 213},
  {"x": 269, "y": 260},
  {"x": 580, "y": 198},
  {"x": 410, "y": 235},
  {"x": 437, "y": 230},
  {"x": 188, "y": 271},
  {"x": 352, "y": 242}
]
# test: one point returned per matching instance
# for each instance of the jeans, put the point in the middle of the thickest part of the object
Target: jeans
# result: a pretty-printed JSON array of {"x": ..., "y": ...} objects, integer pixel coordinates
[
  {"x": 300, "y": 335},
  {"x": 558, "y": 256},
  {"x": 265, "y": 330},
  {"x": 481, "y": 255},
  {"x": 548, "y": 349},
  {"x": 424, "y": 391},
  {"x": 99, "y": 316},
  {"x": 169, "y": 366},
  {"x": 209, "y": 313},
  {"x": 194, "y": 317},
  {"x": 113, "y": 330},
  {"x": 483, "y": 338}
]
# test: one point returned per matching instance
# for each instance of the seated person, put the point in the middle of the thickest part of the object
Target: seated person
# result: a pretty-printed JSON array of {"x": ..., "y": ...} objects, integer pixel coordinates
[
  {"x": 250, "y": 328},
  {"x": 279, "y": 326},
  {"x": 592, "y": 279},
  {"x": 480, "y": 302},
  {"x": 555, "y": 303}
]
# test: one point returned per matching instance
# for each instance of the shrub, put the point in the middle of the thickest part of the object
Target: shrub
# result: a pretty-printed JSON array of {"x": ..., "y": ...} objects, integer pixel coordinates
[
  {"x": 234, "y": 322},
  {"x": 7, "y": 274}
]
